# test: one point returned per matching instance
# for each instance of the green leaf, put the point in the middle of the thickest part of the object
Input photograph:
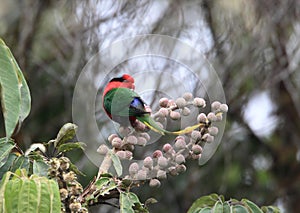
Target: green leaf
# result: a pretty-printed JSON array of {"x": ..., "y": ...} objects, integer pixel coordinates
[
  {"x": 226, "y": 207},
  {"x": 270, "y": 209},
  {"x": 66, "y": 133},
  {"x": 203, "y": 202},
  {"x": 252, "y": 206},
  {"x": 239, "y": 209},
  {"x": 34, "y": 194},
  {"x": 116, "y": 163},
  {"x": 40, "y": 168},
  {"x": 19, "y": 163},
  {"x": 66, "y": 147},
  {"x": 74, "y": 168},
  {"x": 9, "y": 162},
  {"x": 5, "y": 148},
  {"x": 25, "y": 97},
  {"x": 218, "y": 207},
  {"x": 130, "y": 203},
  {"x": 15, "y": 96}
]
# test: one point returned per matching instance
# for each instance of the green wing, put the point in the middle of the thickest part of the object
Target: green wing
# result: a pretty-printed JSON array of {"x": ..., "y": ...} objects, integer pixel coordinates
[{"x": 118, "y": 102}]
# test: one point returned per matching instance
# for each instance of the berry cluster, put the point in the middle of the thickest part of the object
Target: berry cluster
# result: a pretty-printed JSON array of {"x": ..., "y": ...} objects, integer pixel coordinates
[
  {"x": 69, "y": 188},
  {"x": 171, "y": 159}
]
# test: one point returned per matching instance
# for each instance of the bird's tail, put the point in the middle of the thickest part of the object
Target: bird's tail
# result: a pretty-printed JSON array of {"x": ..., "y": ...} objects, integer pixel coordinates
[{"x": 148, "y": 121}]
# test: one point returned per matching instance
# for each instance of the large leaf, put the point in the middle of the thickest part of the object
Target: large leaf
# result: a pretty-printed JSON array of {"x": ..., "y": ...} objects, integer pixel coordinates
[
  {"x": 34, "y": 194},
  {"x": 5, "y": 148},
  {"x": 15, "y": 96}
]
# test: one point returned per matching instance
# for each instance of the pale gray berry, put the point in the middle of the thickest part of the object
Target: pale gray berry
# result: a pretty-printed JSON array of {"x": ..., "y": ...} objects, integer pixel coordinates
[
  {"x": 117, "y": 143},
  {"x": 201, "y": 118},
  {"x": 162, "y": 162},
  {"x": 167, "y": 147},
  {"x": 131, "y": 139},
  {"x": 199, "y": 102},
  {"x": 157, "y": 154},
  {"x": 163, "y": 102},
  {"x": 180, "y": 102},
  {"x": 161, "y": 174},
  {"x": 215, "y": 105},
  {"x": 148, "y": 162},
  {"x": 186, "y": 111},
  {"x": 211, "y": 116},
  {"x": 213, "y": 130},
  {"x": 180, "y": 168},
  {"x": 103, "y": 149},
  {"x": 188, "y": 96},
  {"x": 111, "y": 137},
  {"x": 163, "y": 112},
  {"x": 195, "y": 135},
  {"x": 180, "y": 144},
  {"x": 197, "y": 149},
  {"x": 142, "y": 175},
  {"x": 141, "y": 141},
  {"x": 121, "y": 154},
  {"x": 154, "y": 183},
  {"x": 174, "y": 115},
  {"x": 179, "y": 159},
  {"x": 224, "y": 107},
  {"x": 133, "y": 168}
]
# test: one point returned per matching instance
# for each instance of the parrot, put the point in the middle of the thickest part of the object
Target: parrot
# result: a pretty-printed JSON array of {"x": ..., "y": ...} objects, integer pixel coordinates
[{"x": 123, "y": 105}]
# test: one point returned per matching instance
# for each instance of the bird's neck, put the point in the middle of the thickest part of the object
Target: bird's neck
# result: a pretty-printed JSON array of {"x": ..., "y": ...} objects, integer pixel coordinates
[{"x": 113, "y": 85}]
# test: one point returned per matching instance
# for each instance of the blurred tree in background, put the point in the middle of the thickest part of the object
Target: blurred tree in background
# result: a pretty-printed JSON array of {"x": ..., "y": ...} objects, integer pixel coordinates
[{"x": 253, "y": 45}]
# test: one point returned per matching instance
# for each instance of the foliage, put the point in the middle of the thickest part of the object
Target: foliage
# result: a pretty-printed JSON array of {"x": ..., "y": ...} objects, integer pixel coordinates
[
  {"x": 39, "y": 166},
  {"x": 216, "y": 203}
]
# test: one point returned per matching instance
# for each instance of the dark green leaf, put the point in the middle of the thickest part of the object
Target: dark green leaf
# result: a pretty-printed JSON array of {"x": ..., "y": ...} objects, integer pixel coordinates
[
  {"x": 66, "y": 147},
  {"x": 74, "y": 168},
  {"x": 5, "y": 148},
  {"x": 40, "y": 168},
  {"x": 66, "y": 133},
  {"x": 19, "y": 163},
  {"x": 9, "y": 162}
]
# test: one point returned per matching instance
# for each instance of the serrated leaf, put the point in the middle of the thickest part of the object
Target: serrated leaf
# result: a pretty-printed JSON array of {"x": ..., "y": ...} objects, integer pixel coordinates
[
  {"x": 66, "y": 147},
  {"x": 252, "y": 206},
  {"x": 66, "y": 133},
  {"x": 15, "y": 96},
  {"x": 203, "y": 202},
  {"x": 5, "y": 148},
  {"x": 116, "y": 163},
  {"x": 40, "y": 168}
]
